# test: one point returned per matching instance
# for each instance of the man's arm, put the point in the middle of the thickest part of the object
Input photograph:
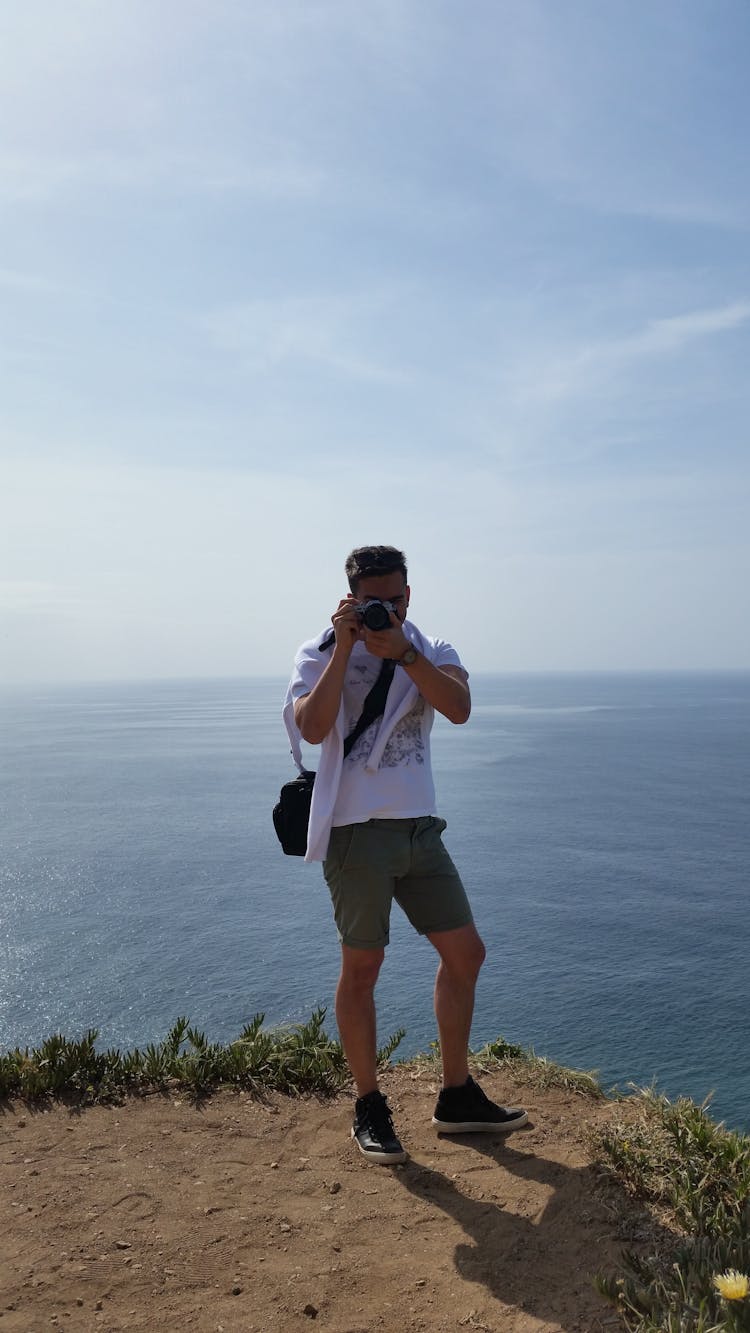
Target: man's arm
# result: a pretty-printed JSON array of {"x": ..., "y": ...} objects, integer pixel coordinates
[
  {"x": 446, "y": 687},
  {"x": 315, "y": 713}
]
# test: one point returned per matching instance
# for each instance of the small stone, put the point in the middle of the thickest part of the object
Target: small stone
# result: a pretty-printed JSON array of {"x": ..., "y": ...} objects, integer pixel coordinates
[
  {"x": 310, "y": 1310},
  {"x": 123, "y": 1245},
  {"x": 335, "y": 1187},
  {"x": 284, "y": 1226},
  {"x": 236, "y": 1289},
  {"x": 79, "y": 1301},
  {"x": 274, "y": 1166},
  {"x": 420, "y": 1282},
  {"x": 22, "y": 1124}
]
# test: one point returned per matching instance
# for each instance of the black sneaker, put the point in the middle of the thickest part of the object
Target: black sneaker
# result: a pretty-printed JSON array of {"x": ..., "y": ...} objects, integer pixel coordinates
[
  {"x": 466, "y": 1110},
  {"x": 373, "y": 1130}
]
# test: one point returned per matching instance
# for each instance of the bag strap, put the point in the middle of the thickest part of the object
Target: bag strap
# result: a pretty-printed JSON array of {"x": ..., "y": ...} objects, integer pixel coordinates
[
  {"x": 372, "y": 709},
  {"x": 374, "y": 704}
]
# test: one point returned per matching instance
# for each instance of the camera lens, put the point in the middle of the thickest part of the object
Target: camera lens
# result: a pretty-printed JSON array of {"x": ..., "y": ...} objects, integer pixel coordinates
[{"x": 375, "y": 616}]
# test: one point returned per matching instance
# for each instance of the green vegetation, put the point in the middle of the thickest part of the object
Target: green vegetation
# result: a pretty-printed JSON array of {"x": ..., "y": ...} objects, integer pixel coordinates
[
  {"x": 523, "y": 1065},
  {"x": 535, "y": 1070},
  {"x": 695, "y": 1175},
  {"x": 294, "y": 1060}
]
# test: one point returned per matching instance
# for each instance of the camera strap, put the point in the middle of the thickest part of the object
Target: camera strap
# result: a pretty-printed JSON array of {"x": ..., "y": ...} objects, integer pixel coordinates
[{"x": 374, "y": 704}]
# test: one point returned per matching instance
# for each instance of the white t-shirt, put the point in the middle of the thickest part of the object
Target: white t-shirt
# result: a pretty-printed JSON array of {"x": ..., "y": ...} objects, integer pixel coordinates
[
  {"x": 388, "y": 773},
  {"x": 402, "y": 786}
]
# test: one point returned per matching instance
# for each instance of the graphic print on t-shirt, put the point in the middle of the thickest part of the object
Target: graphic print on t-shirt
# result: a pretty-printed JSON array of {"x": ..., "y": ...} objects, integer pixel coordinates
[{"x": 405, "y": 745}]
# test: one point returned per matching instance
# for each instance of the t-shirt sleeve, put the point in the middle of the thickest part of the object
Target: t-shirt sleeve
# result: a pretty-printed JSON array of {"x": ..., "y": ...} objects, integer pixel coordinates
[
  {"x": 307, "y": 672},
  {"x": 444, "y": 654}
]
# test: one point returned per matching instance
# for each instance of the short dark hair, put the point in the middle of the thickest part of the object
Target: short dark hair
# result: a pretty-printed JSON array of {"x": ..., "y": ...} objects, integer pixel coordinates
[{"x": 366, "y": 562}]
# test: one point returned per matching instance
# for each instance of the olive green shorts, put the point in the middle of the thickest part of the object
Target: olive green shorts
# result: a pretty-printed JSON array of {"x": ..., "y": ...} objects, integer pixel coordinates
[{"x": 368, "y": 865}]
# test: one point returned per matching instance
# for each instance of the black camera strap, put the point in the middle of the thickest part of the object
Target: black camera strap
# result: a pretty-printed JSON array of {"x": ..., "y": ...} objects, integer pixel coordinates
[{"x": 374, "y": 704}]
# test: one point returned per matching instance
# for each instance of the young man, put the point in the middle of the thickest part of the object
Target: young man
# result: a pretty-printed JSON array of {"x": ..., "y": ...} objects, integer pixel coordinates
[{"x": 374, "y": 825}]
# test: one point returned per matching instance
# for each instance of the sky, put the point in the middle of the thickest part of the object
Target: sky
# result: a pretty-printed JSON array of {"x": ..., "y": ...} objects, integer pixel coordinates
[{"x": 277, "y": 280}]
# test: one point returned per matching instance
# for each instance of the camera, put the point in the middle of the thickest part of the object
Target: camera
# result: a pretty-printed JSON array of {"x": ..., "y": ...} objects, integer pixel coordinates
[{"x": 375, "y": 614}]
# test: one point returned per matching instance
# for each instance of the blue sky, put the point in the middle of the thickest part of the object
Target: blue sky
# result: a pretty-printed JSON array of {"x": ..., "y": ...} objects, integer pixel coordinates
[{"x": 278, "y": 280}]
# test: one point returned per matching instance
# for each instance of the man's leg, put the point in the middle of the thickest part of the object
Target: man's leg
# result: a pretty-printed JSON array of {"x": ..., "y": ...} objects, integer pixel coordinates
[
  {"x": 355, "y": 1013},
  {"x": 461, "y": 956},
  {"x": 373, "y": 1130},
  {"x": 462, "y": 1106}
]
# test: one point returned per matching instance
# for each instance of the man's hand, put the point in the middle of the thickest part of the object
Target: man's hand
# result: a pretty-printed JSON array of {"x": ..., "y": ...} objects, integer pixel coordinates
[
  {"x": 346, "y": 625},
  {"x": 383, "y": 643}
]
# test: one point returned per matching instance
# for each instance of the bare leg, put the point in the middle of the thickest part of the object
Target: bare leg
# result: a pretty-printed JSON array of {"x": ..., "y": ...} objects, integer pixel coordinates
[
  {"x": 461, "y": 956},
  {"x": 355, "y": 1014}
]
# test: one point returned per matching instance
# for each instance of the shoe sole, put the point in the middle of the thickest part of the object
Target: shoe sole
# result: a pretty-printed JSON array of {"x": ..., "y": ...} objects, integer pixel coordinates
[
  {"x": 382, "y": 1158},
  {"x": 480, "y": 1126}
]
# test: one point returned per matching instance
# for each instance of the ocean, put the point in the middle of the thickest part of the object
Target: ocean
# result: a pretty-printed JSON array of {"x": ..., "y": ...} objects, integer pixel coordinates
[{"x": 600, "y": 823}]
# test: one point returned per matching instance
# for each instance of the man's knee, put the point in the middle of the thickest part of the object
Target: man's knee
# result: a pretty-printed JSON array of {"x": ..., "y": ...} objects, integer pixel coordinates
[
  {"x": 360, "y": 968},
  {"x": 462, "y": 951},
  {"x": 473, "y": 957}
]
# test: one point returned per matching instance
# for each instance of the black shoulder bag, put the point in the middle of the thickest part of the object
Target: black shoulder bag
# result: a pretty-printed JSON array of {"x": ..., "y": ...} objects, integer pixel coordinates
[{"x": 291, "y": 814}]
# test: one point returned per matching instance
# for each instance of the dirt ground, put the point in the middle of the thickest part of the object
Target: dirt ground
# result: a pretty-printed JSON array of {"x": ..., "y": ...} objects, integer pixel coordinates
[{"x": 243, "y": 1215}]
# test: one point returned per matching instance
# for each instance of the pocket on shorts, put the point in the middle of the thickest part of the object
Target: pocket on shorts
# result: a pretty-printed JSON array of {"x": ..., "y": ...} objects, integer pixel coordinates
[{"x": 340, "y": 847}]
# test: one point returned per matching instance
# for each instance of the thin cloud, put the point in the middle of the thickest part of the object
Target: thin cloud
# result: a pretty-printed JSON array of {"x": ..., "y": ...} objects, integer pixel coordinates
[
  {"x": 570, "y": 375},
  {"x": 30, "y": 597},
  {"x": 43, "y": 177},
  {"x": 324, "y": 331}
]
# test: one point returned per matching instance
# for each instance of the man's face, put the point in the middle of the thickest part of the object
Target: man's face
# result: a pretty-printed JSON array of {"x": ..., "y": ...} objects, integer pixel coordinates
[{"x": 387, "y": 588}]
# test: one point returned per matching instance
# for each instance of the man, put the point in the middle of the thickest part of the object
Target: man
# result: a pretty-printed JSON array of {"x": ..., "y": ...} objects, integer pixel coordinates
[{"x": 373, "y": 823}]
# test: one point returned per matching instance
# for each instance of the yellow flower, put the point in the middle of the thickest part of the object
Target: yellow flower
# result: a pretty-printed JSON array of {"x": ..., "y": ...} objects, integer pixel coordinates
[{"x": 733, "y": 1286}]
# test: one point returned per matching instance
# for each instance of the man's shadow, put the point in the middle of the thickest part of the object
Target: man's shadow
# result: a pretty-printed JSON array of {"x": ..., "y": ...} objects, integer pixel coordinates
[{"x": 563, "y": 1241}]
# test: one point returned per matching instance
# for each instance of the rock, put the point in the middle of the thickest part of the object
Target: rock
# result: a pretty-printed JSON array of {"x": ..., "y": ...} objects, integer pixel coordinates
[
  {"x": 335, "y": 1187},
  {"x": 236, "y": 1289},
  {"x": 310, "y": 1310}
]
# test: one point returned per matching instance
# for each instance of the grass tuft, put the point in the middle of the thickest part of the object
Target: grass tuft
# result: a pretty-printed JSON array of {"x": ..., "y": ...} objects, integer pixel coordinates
[
  {"x": 695, "y": 1174},
  {"x": 293, "y": 1060},
  {"x": 535, "y": 1070}
]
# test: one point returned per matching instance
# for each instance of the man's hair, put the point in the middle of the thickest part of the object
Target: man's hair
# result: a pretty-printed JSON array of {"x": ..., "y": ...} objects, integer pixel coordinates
[{"x": 366, "y": 562}]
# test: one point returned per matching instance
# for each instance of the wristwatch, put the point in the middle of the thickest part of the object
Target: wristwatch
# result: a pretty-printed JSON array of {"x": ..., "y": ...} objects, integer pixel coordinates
[{"x": 409, "y": 657}]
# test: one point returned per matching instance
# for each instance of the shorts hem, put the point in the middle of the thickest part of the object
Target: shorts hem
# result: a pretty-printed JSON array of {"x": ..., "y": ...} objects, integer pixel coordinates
[
  {"x": 364, "y": 944},
  {"x": 453, "y": 925}
]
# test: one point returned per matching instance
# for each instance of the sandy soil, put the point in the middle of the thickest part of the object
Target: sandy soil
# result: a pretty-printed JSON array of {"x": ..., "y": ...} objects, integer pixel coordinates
[{"x": 242, "y": 1215}]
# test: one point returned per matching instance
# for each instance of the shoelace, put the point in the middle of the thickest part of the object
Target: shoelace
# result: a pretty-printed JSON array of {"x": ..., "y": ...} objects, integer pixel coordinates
[{"x": 378, "y": 1118}]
